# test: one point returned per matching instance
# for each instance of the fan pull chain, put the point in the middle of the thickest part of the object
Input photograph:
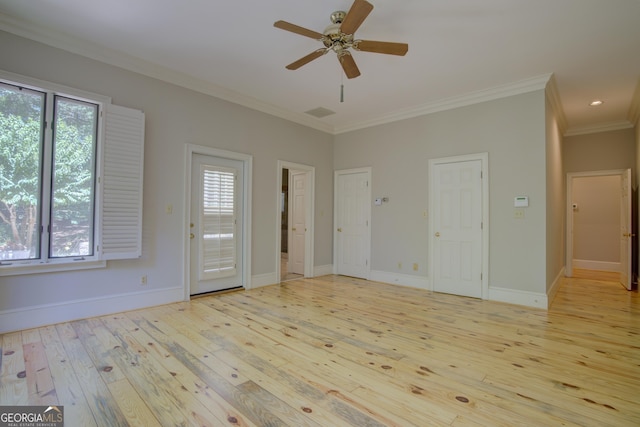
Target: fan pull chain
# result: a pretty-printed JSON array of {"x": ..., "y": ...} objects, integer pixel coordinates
[{"x": 341, "y": 86}]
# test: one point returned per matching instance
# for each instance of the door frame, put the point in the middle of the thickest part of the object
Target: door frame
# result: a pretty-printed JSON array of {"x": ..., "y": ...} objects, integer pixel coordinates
[
  {"x": 247, "y": 160},
  {"x": 336, "y": 174},
  {"x": 484, "y": 167},
  {"x": 309, "y": 215},
  {"x": 568, "y": 268}
]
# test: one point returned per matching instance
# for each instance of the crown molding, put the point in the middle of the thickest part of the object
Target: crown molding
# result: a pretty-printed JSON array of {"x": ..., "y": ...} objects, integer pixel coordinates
[
  {"x": 490, "y": 94},
  {"x": 131, "y": 63},
  {"x": 634, "y": 108},
  {"x": 603, "y": 127},
  {"x": 553, "y": 95}
]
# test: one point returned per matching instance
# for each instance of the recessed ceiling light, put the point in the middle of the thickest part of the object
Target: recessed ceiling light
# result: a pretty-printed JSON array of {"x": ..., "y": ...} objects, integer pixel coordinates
[{"x": 596, "y": 102}]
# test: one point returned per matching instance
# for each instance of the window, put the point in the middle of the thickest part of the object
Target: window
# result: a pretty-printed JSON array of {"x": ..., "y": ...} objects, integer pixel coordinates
[
  {"x": 70, "y": 177},
  {"x": 218, "y": 222}
]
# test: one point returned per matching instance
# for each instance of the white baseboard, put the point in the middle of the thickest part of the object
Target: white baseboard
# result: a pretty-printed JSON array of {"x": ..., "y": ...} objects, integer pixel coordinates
[
  {"x": 322, "y": 270},
  {"x": 553, "y": 290},
  {"x": 596, "y": 265},
  {"x": 512, "y": 296},
  {"x": 400, "y": 279},
  {"x": 42, "y": 315},
  {"x": 266, "y": 279}
]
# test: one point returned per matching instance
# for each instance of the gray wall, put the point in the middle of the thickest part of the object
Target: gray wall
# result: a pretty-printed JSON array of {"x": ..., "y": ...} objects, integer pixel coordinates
[
  {"x": 596, "y": 221},
  {"x": 555, "y": 219},
  {"x": 511, "y": 130},
  {"x": 174, "y": 116},
  {"x": 600, "y": 151}
]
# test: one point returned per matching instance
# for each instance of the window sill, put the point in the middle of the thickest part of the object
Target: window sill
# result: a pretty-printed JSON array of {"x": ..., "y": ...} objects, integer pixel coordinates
[{"x": 16, "y": 268}]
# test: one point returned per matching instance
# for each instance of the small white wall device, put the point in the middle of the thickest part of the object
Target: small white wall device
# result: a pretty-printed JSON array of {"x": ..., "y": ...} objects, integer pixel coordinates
[{"x": 521, "y": 202}]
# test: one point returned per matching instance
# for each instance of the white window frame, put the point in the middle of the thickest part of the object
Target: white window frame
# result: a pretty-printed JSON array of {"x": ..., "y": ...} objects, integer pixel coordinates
[
  {"x": 225, "y": 269},
  {"x": 118, "y": 213}
]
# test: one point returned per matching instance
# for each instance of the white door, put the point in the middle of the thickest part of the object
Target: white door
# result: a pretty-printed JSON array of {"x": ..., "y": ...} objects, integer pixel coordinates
[
  {"x": 457, "y": 227},
  {"x": 216, "y": 224},
  {"x": 297, "y": 224},
  {"x": 626, "y": 236},
  {"x": 352, "y": 218}
]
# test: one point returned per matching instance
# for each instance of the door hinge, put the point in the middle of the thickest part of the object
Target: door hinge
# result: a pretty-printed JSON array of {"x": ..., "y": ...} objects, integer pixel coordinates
[
  {"x": 482, "y": 226},
  {"x": 481, "y": 175},
  {"x": 480, "y": 276}
]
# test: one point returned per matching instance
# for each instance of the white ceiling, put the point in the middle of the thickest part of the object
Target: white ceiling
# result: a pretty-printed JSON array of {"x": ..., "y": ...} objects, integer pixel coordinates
[{"x": 459, "y": 50}]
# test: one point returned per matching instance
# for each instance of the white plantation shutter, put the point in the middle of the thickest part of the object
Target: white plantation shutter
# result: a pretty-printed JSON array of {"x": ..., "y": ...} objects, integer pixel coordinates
[
  {"x": 122, "y": 183},
  {"x": 218, "y": 222}
]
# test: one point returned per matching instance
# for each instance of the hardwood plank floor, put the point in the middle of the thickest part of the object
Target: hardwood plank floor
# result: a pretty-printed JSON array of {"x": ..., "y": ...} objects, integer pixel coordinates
[{"x": 338, "y": 351}]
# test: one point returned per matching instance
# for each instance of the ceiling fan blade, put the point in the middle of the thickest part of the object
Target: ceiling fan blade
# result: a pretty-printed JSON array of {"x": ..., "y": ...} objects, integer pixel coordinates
[
  {"x": 287, "y": 26},
  {"x": 306, "y": 59},
  {"x": 359, "y": 11},
  {"x": 349, "y": 65},
  {"x": 388, "y": 48}
]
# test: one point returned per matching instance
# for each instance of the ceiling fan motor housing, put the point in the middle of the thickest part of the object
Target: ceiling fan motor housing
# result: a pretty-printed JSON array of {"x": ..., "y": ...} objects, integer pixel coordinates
[{"x": 334, "y": 38}]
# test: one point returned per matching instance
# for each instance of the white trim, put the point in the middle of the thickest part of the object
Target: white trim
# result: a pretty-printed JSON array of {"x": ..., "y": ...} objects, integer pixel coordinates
[
  {"x": 420, "y": 282},
  {"x": 603, "y": 127},
  {"x": 634, "y": 107},
  {"x": 247, "y": 159},
  {"x": 309, "y": 212},
  {"x": 50, "y": 267},
  {"x": 41, "y": 315},
  {"x": 513, "y": 296},
  {"x": 127, "y": 62},
  {"x": 476, "y": 97},
  {"x": 596, "y": 265},
  {"x": 39, "y": 85},
  {"x": 553, "y": 95},
  {"x": 266, "y": 279},
  {"x": 484, "y": 159},
  {"x": 322, "y": 270},
  {"x": 569, "y": 212},
  {"x": 336, "y": 174},
  {"x": 553, "y": 290}
]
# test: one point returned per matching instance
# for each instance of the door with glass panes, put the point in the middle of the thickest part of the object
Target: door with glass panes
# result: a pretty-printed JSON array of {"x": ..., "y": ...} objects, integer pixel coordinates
[{"x": 216, "y": 224}]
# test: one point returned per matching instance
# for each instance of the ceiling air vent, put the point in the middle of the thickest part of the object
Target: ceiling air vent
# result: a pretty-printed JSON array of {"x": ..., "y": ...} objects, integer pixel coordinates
[{"x": 320, "y": 112}]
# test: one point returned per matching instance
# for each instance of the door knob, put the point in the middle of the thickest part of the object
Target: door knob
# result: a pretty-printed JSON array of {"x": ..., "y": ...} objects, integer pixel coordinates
[
  {"x": 293, "y": 229},
  {"x": 191, "y": 235},
  {"x": 339, "y": 230},
  {"x": 437, "y": 234}
]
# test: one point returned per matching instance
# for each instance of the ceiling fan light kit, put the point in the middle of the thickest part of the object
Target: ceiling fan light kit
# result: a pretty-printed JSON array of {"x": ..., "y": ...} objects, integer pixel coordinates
[{"x": 339, "y": 37}]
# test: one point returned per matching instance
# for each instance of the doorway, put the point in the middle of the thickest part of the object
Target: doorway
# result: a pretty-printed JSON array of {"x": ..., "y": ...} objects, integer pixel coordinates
[
  {"x": 217, "y": 220},
  {"x": 295, "y": 225},
  {"x": 600, "y": 224}
]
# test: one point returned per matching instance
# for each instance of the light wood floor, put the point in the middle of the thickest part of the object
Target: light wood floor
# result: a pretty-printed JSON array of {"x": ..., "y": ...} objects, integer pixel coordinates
[{"x": 336, "y": 351}]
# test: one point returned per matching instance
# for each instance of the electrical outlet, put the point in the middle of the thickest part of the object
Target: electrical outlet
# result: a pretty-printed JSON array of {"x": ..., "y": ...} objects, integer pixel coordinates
[
  {"x": 518, "y": 213},
  {"x": 143, "y": 280},
  {"x": 399, "y": 266},
  {"x": 415, "y": 266}
]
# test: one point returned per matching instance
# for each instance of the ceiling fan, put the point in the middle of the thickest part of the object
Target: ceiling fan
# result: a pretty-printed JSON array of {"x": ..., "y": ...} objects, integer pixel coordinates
[{"x": 339, "y": 37}]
